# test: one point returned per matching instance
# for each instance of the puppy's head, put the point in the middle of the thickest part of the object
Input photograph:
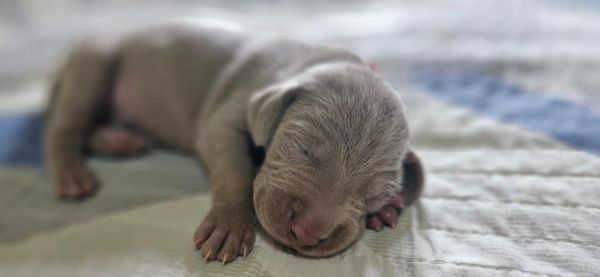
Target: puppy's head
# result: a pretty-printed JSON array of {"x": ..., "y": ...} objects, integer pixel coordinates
[{"x": 336, "y": 140}]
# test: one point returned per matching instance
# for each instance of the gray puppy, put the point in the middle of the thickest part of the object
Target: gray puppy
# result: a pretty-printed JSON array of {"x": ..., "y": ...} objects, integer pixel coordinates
[{"x": 334, "y": 133}]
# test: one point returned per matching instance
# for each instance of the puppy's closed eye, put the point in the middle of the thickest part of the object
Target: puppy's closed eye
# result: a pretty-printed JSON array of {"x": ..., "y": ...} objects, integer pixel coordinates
[
  {"x": 312, "y": 151},
  {"x": 305, "y": 152}
]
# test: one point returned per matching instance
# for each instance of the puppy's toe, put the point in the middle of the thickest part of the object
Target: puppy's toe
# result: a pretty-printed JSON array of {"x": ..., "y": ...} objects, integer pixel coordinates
[
  {"x": 374, "y": 222},
  {"x": 389, "y": 215},
  {"x": 68, "y": 190},
  {"x": 247, "y": 243},
  {"x": 203, "y": 233},
  {"x": 210, "y": 249},
  {"x": 230, "y": 247}
]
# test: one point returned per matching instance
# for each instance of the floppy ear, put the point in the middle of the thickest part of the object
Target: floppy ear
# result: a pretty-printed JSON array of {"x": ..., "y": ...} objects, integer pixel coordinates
[
  {"x": 266, "y": 108},
  {"x": 413, "y": 179}
]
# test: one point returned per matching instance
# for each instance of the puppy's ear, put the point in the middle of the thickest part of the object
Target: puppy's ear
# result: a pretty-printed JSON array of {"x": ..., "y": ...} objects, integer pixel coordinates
[
  {"x": 413, "y": 180},
  {"x": 266, "y": 108}
]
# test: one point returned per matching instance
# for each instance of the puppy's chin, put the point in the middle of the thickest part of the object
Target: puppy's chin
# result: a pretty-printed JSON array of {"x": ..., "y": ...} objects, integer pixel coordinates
[{"x": 272, "y": 206}]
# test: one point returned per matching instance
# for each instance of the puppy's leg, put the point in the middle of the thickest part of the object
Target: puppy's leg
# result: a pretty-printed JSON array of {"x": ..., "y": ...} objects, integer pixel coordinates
[
  {"x": 77, "y": 95},
  {"x": 118, "y": 141},
  {"x": 412, "y": 187},
  {"x": 228, "y": 229}
]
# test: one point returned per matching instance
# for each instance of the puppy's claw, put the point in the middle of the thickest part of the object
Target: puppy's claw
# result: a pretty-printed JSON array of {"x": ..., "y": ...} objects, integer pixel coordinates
[
  {"x": 245, "y": 252},
  {"x": 207, "y": 255},
  {"x": 224, "y": 259}
]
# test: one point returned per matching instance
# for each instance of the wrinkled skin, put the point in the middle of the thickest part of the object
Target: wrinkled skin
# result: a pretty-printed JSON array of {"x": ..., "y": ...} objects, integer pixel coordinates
[
  {"x": 335, "y": 156},
  {"x": 335, "y": 134}
]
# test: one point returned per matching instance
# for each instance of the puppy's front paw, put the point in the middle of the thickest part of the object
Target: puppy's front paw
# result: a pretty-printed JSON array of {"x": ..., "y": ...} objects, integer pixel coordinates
[
  {"x": 225, "y": 235},
  {"x": 75, "y": 183},
  {"x": 387, "y": 215}
]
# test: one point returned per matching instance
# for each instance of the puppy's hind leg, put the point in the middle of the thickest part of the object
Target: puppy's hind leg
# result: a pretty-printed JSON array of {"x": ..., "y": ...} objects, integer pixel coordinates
[
  {"x": 78, "y": 94},
  {"x": 119, "y": 141}
]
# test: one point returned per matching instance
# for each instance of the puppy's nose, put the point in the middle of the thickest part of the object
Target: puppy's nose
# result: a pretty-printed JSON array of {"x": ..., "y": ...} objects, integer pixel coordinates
[{"x": 304, "y": 236}]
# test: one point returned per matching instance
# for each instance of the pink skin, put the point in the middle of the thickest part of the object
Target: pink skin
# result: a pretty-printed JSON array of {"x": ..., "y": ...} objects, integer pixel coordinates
[
  {"x": 303, "y": 235},
  {"x": 119, "y": 142},
  {"x": 387, "y": 215}
]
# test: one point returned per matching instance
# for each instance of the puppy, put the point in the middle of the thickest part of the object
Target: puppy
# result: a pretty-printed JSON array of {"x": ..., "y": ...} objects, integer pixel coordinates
[{"x": 334, "y": 134}]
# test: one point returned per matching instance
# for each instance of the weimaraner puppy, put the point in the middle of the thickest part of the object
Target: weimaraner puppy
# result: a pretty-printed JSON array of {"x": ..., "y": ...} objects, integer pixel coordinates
[{"x": 333, "y": 133}]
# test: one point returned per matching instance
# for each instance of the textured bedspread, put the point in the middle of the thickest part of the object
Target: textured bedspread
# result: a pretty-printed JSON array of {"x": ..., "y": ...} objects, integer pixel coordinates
[
  {"x": 484, "y": 213},
  {"x": 504, "y": 104}
]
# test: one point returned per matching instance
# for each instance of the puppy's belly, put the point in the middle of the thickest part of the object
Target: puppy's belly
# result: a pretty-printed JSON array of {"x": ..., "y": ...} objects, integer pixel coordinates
[{"x": 148, "y": 105}]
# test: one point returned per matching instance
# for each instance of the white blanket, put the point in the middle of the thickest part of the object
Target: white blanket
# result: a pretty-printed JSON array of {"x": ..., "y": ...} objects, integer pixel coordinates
[{"x": 483, "y": 213}]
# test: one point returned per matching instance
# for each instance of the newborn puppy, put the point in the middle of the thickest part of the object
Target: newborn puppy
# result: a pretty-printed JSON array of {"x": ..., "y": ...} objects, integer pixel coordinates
[{"x": 334, "y": 133}]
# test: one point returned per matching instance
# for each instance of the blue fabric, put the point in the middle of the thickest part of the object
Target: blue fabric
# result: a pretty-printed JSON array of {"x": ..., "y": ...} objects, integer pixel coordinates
[
  {"x": 21, "y": 139},
  {"x": 573, "y": 124}
]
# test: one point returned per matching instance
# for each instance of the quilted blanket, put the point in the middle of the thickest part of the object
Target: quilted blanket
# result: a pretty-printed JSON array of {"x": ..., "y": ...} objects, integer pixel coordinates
[
  {"x": 503, "y": 103},
  {"x": 510, "y": 212}
]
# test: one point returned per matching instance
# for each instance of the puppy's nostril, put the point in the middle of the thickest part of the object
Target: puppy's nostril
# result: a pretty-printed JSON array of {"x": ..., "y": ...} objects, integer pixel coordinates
[{"x": 293, "y": 236}]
